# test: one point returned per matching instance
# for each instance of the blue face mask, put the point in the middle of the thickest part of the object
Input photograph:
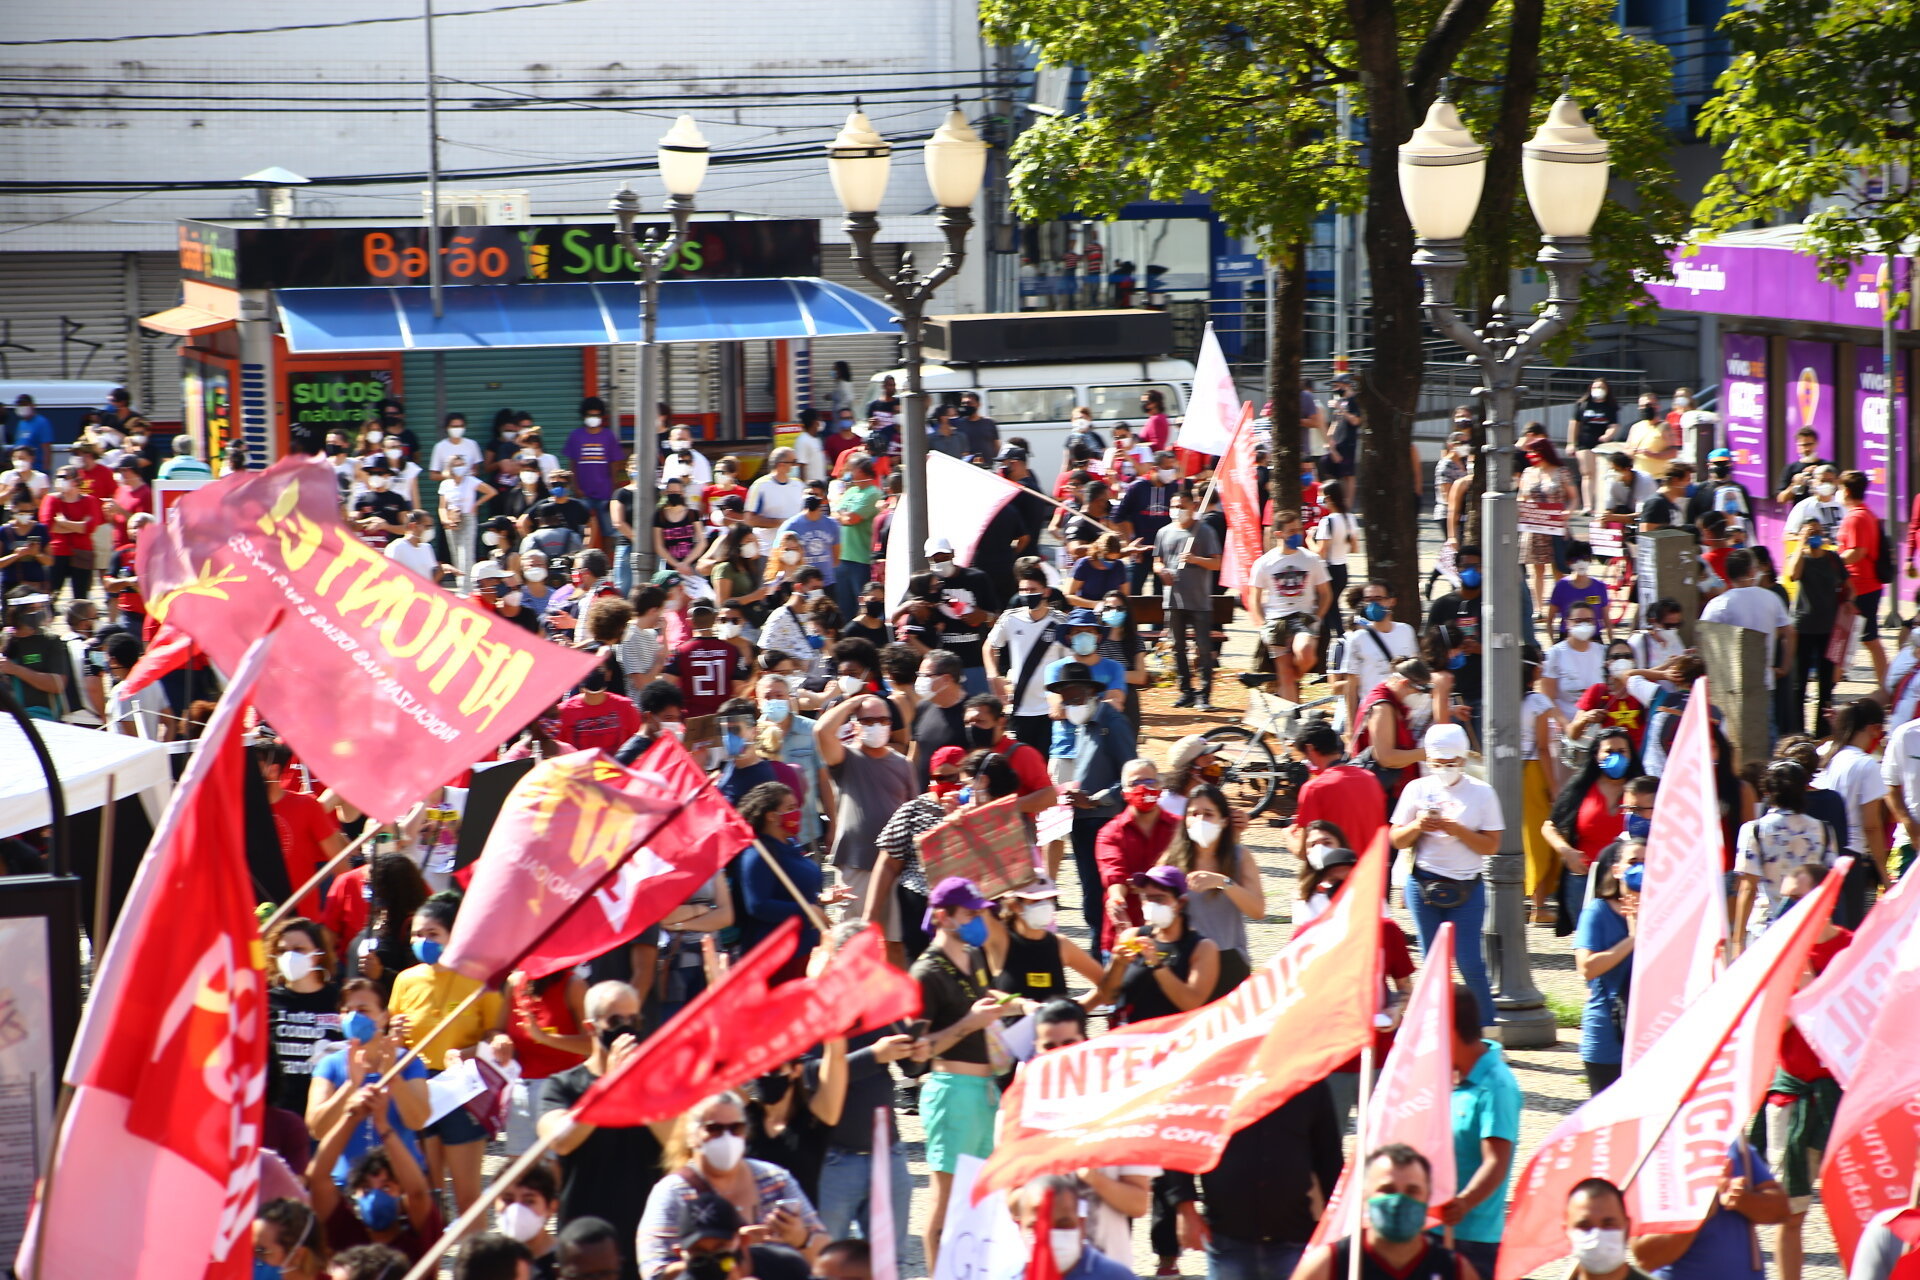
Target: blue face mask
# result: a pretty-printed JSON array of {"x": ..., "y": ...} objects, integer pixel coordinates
[
  {"x": 1470, "y": 579},
  {"x": 428, "y": 950},
  {"x": 1395, "y": 1217},
  {"x": 358, "y": 1027},
  {"x": 1373, "y": 611},
  {"x": 1613, "y": 764},
  {"x": 264, "y": 1270},
  {"x": 379, "y": 1210},
  {"x": 1084, "y": 643},
  {"x": 1114, "y": 617},
  {"x": 732, "y": 743},
  {"x": 1295, "y": 541},
  {"x": 816, "y": 642},
  {"x": 1634, "y": 876},
  {"x": 558, "y": 491},
  {"x": 1639, "y": 826},
  {"x": 974, "y": 932},
  {"x": 776, "y": 708},
  {"x": 963, "y": 796},
  {"x": 1456, "y": 662}
]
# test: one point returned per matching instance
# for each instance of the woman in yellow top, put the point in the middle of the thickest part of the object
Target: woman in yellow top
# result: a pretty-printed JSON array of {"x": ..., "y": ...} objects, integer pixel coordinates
[{"x": 425, "y": 995}]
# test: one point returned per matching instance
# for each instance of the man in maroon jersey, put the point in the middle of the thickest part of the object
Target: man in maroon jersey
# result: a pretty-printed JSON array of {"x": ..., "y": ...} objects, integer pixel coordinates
[{"x": 707, "y": 669}]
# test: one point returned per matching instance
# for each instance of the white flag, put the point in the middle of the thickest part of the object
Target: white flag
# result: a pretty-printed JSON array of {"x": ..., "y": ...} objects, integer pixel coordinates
[
  {"x": 965, "y": 501},
  {"x": 1214, "y": 406}
]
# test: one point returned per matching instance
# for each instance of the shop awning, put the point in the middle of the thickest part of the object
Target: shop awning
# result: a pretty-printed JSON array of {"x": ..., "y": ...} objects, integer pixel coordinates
[
  {"x": 187, "y": 322},
  {"x": 572, "y": 315}
]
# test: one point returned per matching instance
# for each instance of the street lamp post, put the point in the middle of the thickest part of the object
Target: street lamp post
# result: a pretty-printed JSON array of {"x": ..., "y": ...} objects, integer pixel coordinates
[
  {"x": 683, "y": 154},
  {"x": 858, "y": 161},
  {"x": 1565, "y": 170}
]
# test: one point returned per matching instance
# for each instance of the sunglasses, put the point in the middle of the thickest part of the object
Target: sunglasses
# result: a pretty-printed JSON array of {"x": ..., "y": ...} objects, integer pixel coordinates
[{"x": 714, "y": 1129}]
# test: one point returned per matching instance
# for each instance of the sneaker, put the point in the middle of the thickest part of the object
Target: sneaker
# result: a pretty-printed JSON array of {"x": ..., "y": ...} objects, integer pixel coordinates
[
  {"x": 1201, "y": 704},
  {"x": 1254, "y": 679},
  {"x": 1184, "y": 700}
]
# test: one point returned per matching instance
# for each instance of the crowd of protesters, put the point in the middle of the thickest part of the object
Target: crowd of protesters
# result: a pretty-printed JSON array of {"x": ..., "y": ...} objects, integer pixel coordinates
[{"x": 843, "y": 727}]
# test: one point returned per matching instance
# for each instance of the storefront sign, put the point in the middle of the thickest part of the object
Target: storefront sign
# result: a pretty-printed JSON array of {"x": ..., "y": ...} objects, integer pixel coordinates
[
  {"x": 1873, "y": 436},
  {"x": 333, "y": 257},
  {"x": 328, "y": 398},
  {"x": 1778, "y": 283},
  {"x": 1810, "y": 392},
  {"x": 1743, "y": 393}
]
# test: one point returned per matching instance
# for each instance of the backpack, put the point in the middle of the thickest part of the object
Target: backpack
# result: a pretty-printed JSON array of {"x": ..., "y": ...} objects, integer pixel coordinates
[{"x": 1883, "y": 569}]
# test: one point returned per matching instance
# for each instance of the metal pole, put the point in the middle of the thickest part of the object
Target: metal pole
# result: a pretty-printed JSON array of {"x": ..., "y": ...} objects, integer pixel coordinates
[
  {"x": 433, "y": 179},
  {"x": 1897, "y": 442},
  {"x": 651, "y": 256},
  {"x": 913, "y": 444},
  {"x": 1342, "y": 238}
]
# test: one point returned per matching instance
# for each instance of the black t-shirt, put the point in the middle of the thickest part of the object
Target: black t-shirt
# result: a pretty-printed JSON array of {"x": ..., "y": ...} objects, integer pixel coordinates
[
  {"x": 301, "y": 1026},
  {"x": 385, "y": 503},
  {"x": 934, "y": 727},
  {"x": 1262, "y": 1187},
  {"x": 573, "y": 513},
  {"x": 800, "y": 1148},
  {"x": 609, "y": 1175},
  {"x": 947, "y": 995},
  {"x": 973, "y": 589},
  {"x": 884, "y": 406},
  {"x": 1594, "y": 419},
  {"x": 777, "y": 1262},
  {"x": 678, "y": 536},
  {"x": 623, "y": 499},
  {"x": 1793, "y": 470},
  {"x": 1663, "y": 511},
  {"x": 1456, "y": 609},
  {"x": 22, "y": 572},
  {"x": 44, "y": 653}
]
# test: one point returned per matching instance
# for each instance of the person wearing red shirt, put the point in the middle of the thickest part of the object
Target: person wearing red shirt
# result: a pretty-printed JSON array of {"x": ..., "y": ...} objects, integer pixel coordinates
[
  {"x": 71, "y": 514},
  {"x": 1158, "y": 428},
  {"x": 348, "y": 907},
  {"x": 94, "y": 479},
  {"x": 309, "y": 835},
  {"x": 986, "y": 720},
  {"x": 1346, "y": 795},
  {"x": 1859, "y": 544},
  {"x": 1396, "y": 969},
  {"x": 595, "y": 719},
  {"x": 706, "y": 668},
  {"x": 129, "y": 498},
  {"x": 1128, "y": 845}
]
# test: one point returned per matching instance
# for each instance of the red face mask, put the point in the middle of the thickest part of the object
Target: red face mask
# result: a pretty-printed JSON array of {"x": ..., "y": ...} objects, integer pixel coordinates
[
  {"x": 945, "y": 786},
  {"x": 1143, "y": 798},
  {"x": 790, "y": 823}
]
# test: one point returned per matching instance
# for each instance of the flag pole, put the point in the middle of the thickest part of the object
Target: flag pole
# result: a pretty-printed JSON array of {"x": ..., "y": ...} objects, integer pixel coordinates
[
  {"x": 103, "y": 875},
  {"x": 286, "y": 908},
  {"x": 478, "y": 1209},
  {"x": 1067, "y": 506},
  {"x": 1358, "y": 1239},
  {"x": 473, "y": 997},
  {"x": 813, "y": 912}
]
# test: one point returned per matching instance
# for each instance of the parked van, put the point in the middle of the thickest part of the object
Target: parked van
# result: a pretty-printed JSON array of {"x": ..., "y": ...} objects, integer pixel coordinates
[
  {"x": 62, "y": 402},
  {"x": 1036, "y": 401}
]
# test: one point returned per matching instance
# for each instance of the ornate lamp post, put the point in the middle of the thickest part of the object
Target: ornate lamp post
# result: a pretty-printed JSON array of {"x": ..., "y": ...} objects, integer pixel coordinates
[
  {"x": 858, "y": 161},
  {"x": 1565, "y": 169},
  {"x": 683, "y": 154}
]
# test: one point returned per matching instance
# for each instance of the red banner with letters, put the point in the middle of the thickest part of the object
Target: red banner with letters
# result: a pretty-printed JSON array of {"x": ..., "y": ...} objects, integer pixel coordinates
[
  {"x": 1875, "y": 1142},
  {"x": 1169, "y": 1092},
  {"x": 383, "y": 683},
  {"x": 740, "y": 1028},
  {"x": 1238, "y": 478}
]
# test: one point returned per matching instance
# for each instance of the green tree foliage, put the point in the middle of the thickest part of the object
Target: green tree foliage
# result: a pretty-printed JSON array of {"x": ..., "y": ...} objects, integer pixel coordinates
[{"x": 1817, "y": 111}]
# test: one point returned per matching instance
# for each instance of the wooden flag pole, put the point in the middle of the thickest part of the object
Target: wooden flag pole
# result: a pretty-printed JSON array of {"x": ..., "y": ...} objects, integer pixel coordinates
[
  {"x": 813, "y": 912},
  {"x": 1356, "y": 1244},
  {"x": 286, "y": 908},
  {"x": 478, "y": 1209},
  {"x": 473, "y": 997},
  {"x": 103, "y": 877}
]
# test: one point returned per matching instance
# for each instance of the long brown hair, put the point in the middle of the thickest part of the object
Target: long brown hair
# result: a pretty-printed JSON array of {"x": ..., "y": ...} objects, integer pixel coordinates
[
  {"x": 316, "y": 934},
  {"x": 677, "y": 1151},
  {"x": 1182, "y": 852}
]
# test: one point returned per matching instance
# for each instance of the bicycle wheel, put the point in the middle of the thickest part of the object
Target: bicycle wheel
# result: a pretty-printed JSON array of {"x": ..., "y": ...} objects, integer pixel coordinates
[{"x": 1249, "y": 773}]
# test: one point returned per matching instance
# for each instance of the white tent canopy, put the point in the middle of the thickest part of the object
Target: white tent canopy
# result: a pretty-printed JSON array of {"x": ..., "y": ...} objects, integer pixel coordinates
[{"x": 84, "y": 759}]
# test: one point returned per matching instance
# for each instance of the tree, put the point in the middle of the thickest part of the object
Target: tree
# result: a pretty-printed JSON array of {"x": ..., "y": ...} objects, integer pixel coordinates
[{"x": 1818, "y": 106}]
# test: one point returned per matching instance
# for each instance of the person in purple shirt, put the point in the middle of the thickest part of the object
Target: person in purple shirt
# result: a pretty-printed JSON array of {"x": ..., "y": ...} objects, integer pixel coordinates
[
  {"x": 594, "y": 449},
  {"x": 1578, "y": 587}
]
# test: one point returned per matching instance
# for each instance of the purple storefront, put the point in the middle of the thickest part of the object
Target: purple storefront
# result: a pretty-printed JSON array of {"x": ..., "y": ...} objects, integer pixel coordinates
[{"x": 1797, "y": 351}]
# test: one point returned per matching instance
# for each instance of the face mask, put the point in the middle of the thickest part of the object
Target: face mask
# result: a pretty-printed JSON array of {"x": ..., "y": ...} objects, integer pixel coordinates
[
  {"x": 1396, "y": 1218},
  {"x": 456, "y": 468},
  {"x": 1579, "y": 568},
  {"x": 1823, "y": 490},
  {"x": 512, "y": 599},
  {"x": 1581, "y": 631},
  {"x": 1204, "y": 831},
  {"x": 1143, "y": 798},
  {"x": 379, "y": 1210},
  {"x": 923, "y": 687},
  {"x": 1084, "y": 643},
  {"x": 24, "y": 465},
  {"x": 379, "y": 482},
  {"x": 850, "y": 685},
  {"x": 294, "y": 965},
  {"x": 732, "y": 743},
  {"x": 609, "y": 1035},
  {"x": 1613, "y": 764},
  {"x": 490, "y": 539},
  {"x": 750, "y": 549},
  {"x": 978, "y": 737},
  {"x": 1816, "y": 542},
  {"x": 1635, "y": 876},
  {"x": 1114, "y": 617},
  {"x": 1158, "y": 914},
  {"x": 1165, "y": 475},
  {"x": 534, "y": 573},
  {"x": 395, "y": 453},
  {"x": 520, "y": 1222},
  {"x": 427, "y": 950},
  {"x": 1448, "y": 774},
  {"x": 375, "y": 437},
  {"x": 1456, "y": 662},
  {"x": 727, "y": 630},
  {"x": 1419, "y": 705},
  {"x": 1065, "y": 1242},
  {"x": 1619, "y": 666},
  {"x": 874, "y": 735},
  {"x": 559, "y": 491},
  {"x": 358, "y": 1027},
  {"x": 771, "y": 1088},
  {"x": 942, "y": 568},
  {"x": 1080, "y": 713},
  {"x": 1597, "y": 1250},
  {"x": 264, "y": 1270},
  {"x": 595, "y": 680},
  {"x": 1374, "y": 612},
  {"x": 974, "y": 932},
  {"x": 591, "y": 420},
  {"x": 1470, "y": 579},
  {"x": 725, "y": 1151},
  {"x": 790, "y": 556},
  {"x": 1296, "y": 541},
  {"x": 1038, "y": 915},
  {"x": 776, "y": 708}
]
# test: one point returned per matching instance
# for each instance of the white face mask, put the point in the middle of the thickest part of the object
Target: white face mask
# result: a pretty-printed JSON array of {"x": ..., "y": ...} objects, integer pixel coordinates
[
  {"x": 520, "y": 1222},
  {"x": 1448, "y": 774},
  {"x": 727, "y": 630},
  {"x": 375, "y": 437},
  {"x": 512, "y": 599},
  {"x": 942, "y": 568},
  {"x": 1066, "y": 1247},
  {"x": 1619, "y": 666},
  {"x": 1080, "y": 713},
  {"x": 529, "y": 478},
  {"x": 875, "y": 735},
  {"x": 534, "y": 573},
  {"x": 456, "y": 433},
  {"x": 1598, "y": 1251},
  {"x": 1579, "y": 568},
  {"x": 490, "y": 539},
  {"x": 591, "y": 420},
  {"x": 1419, "y": 704},
  {"x": 379, "y": 482},
  {"x": 1165, "y": 475},
  {"x": 1204, "y": 831},
  {"x": 1038, "y": 915},
  {"x": 395, "y": 452},
  {"x": 1823, "y": 490},
  {"x": 850, "y": 685},
  {"x": 294, "y": 965},
  {"x": 1581, "y": 631},
  {"x": 789, "y": 556},
  {"x": 725, "y": 1151},
  {"x": 750, "y": 548},
  {"x": 456, "y": 468},
  {"x": 1319, "y": 848},
  {"x": 1158, "y": 914},
  {"x": 23, "y": 465},
  {"x": 923, "y": 687}
]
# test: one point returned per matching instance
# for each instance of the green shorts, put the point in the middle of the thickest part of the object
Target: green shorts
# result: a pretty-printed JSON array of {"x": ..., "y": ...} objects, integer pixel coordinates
[{"x": 958, "y": 1113}]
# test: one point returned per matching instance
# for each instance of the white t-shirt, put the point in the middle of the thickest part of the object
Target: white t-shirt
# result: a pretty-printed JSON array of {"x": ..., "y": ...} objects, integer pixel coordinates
[
  {"x": 1017, "y": 632},
  {"x": 460, "y": 495},
  {"x": 768, "y": 497},
  {"x": 1900, "y": 763},
  {"x": 1364, "y": 658},
  {"x": 1109, "y": 1230},
  {"x": 146, "y": 709},
  {"x": 1828, "y": 511},
  {"x": 692, "y": 466},
  {"x": 1854, "y": 776},
  {"x": 1287, "y": 580},
  {"x": 443, "y": 450},
  {"x": 1574, "y": 672},
  {"x": 1336, "y": 531},
  {"x": 1756, "y": 609},
  {"x": 1471, "y": 803},
  {"x": 1906, "y": 704},
  {"x": 1656, "y": 648},
  {"x": 36, "y": 481},
  {"x": 812, "y": 457},
  {"x": 1530, "y": 710},
  {"x": 417, "y": 556}
]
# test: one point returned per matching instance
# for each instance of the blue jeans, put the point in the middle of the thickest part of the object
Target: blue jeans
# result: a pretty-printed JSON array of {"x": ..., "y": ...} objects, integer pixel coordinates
[
  {"x": 1230, "y": 1259},
  {"x": 623, "y": 568},
  {"x": 1468, "y": 952},
  {"x": 845, "y": 1187},
  {"x": 850, "y": 578}
]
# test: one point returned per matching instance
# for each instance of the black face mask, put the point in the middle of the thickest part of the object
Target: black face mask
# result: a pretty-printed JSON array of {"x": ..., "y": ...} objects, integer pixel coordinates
[
  {"x": 1028, "y": 600},
  {"x": 871, "y": 608},
  {"x": 596, "y": 680},
  {"x": 613, "y": 1031},
  {"x": 772, "y": 1087},
  {"x": 978, "y": 737}
]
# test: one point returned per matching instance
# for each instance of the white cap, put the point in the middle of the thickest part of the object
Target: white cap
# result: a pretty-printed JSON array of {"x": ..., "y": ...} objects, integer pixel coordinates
[
  {"x": 485, "y": 571},
  {"x": 1446, "y": 742},
  {"x": 938, "y": 547}
]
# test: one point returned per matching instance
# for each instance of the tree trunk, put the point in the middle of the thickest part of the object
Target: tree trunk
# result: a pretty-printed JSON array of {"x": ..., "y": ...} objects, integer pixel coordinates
[{"x": 1284, "y": 348}]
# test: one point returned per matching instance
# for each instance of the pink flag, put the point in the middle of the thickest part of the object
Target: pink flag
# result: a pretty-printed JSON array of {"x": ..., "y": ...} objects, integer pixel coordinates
[
  {"x": 1874, "y": 1146},
  {"x": 1836, "y": 1011},
  {"x": 1682, "y": 931},
  {"x": 1239, "y": 481},
  {"x": 1702, "y": 1080},
  {"x": 1214, "y": 408},
  {"x": 884, "y": 1263},
  {"x": 1413, "y": 1100}
]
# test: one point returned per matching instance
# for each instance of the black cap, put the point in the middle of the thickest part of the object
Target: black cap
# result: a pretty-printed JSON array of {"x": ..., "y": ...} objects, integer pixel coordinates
[
  {"x": 710, "y": 1218},
  {"x": 1071, "y": 674},
  {"x": 1012, "y": 453}
]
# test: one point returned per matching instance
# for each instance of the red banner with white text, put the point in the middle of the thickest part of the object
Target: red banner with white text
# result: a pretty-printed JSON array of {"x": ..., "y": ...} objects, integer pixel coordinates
[
  {"x": 385, "y": 684},
  {"x": 1238, "y": 479},
  {"x": 1836, "y": 1012},
  {"x": 1874, "y": 1145}
]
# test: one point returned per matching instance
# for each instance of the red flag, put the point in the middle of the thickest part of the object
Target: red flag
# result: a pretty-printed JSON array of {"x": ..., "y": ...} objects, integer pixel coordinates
[
  {"x": 1170, "y": 1092},
  {"x": 1836, "y": 1011},
  {"x": 158, "y": 1157},
  {"x": 741, "y": 1028},
  {"x": 1682, "y": 932},
  {"x": 1874, "y": 1145},
  {"x": 1041, "y": 1264},
  {"x": 171, "y": 650},
  {"x": 580, "y": 825},
  {"x": 1703, "y": 1078},
  {"x": 1238, "y": 478},
  {"x": 384, "y": 683},
  {"x": 1412, "y": 1100}
]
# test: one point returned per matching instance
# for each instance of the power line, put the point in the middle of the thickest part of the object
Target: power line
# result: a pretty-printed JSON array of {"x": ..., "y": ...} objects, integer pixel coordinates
[
  {"x": 57, "y": 77},
  {"x": 297, "y": 26},
  {"x": 515, "y": 101}
]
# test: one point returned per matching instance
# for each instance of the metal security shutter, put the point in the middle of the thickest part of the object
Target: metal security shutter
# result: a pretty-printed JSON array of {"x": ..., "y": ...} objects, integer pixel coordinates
[
  {"x": 867, "y": 355},
  {"x": 156, "y": 386},
  {"x": 64, "y": 315},
  {"x": 759, "y": 375},
  {"x": 545, "y": 381}
]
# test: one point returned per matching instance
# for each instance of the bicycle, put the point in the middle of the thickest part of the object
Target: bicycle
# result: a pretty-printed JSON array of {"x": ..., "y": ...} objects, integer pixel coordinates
[{"x": 1252, "y": 773}]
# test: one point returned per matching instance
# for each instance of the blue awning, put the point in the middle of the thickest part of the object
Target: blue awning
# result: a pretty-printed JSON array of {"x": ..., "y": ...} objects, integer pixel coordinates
[{"x": 572, "y": 315}]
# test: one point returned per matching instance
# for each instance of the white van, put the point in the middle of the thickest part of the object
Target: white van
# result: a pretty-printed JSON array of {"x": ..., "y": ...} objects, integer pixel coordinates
[{"x": 1036, "y": 401}]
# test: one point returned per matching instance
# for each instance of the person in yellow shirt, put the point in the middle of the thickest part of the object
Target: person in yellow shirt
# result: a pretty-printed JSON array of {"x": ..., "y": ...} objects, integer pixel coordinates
[
  {"x": 1652, "y": 448},
  {"x": 425, "y": 995}
]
